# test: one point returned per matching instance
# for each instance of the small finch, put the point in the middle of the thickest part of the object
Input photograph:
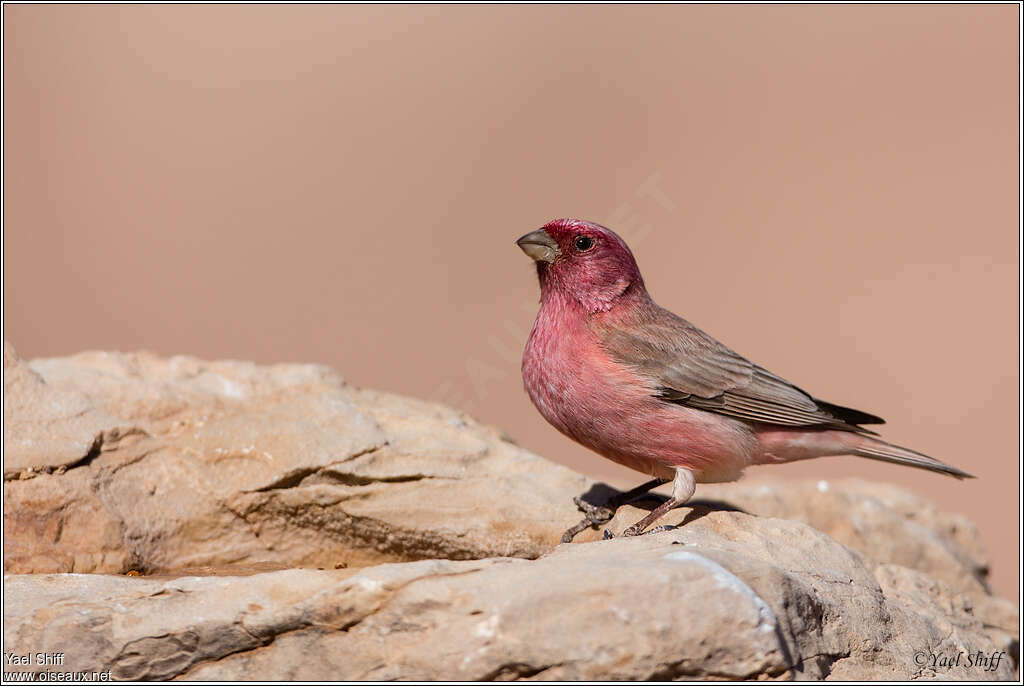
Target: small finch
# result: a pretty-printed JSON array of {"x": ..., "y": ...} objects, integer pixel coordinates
[{"x": 641, "y": 386}]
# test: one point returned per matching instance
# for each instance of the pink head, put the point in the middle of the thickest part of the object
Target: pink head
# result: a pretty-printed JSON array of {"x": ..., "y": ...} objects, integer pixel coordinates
[{"x": 584, "y": 261}]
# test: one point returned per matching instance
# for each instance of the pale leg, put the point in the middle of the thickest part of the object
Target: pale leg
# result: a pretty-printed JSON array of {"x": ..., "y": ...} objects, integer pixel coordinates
[{"x": 683, "y": 486}]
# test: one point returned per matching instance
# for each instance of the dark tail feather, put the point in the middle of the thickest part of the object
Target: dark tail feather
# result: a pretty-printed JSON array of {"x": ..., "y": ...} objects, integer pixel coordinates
[
  {"x": 848, "y": 414},
  {"x": 887, "y": 452}
]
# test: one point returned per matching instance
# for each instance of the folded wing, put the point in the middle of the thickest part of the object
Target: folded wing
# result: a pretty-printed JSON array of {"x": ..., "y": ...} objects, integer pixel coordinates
[{"x": 690, "y": 368}]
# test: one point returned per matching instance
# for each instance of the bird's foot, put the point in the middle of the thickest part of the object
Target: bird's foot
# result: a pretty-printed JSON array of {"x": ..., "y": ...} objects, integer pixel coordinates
[
  {"x": 597, "y": 515},
  {"x": 630, "y": 531},
  {"x": 594, "y": 516},
  {"x": 634, "y": 530}
]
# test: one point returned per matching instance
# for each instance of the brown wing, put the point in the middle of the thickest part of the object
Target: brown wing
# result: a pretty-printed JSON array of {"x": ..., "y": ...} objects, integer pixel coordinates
[{"x": 690, "y": 368}]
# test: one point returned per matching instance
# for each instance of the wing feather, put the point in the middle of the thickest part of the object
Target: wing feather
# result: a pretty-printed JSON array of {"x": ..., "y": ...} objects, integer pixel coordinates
[{"x": 690, "y": 368}]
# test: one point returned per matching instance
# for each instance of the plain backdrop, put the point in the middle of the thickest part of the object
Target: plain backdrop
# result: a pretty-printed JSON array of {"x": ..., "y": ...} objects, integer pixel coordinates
[{"x": 829, "y": 190}]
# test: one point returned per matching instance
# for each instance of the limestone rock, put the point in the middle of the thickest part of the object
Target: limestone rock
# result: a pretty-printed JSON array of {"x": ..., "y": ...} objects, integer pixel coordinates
[
  {"x": 885, "y": 523},
  {"x": 236, "y": 464},
  {"x": 729, "y": 596},
  {"x": 46, "y": 427}
]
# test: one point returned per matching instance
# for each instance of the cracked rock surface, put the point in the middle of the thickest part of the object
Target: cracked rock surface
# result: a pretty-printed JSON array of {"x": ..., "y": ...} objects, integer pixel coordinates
[
  {"x": 289, "y": 526},
  {"x": 225, "y": 463}
]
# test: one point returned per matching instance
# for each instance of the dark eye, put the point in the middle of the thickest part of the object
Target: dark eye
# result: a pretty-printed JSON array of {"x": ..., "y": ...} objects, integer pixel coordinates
[{"x": 583, "y": 243}]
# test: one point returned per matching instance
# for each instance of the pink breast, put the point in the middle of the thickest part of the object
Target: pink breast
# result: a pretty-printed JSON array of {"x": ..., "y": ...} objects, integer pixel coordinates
[{"x": 610, "y": 409}]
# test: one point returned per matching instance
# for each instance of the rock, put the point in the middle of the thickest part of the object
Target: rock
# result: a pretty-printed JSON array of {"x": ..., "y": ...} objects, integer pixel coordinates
[
  {"x": 729, "y": 596},
  {"x": 47, "y": 428},
  {"x": 214, "y": 478},
  {"x": 885, "y": 523},
  {"x": 235, "y": 464}
]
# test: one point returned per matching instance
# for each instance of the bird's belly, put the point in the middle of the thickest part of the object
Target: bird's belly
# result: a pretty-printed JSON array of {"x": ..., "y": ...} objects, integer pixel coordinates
[{"x": 608, "y": 408}]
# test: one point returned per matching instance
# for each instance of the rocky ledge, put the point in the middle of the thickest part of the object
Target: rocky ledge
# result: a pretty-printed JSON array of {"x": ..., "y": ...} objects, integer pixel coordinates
[{"x": 174, "y": 518}]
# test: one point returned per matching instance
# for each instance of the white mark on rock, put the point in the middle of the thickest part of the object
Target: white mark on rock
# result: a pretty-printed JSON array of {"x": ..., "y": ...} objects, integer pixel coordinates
[
  {"x": 487, "y": 628},
  {"x": 371, "y": 585},
  {"x": 230, "y": 388},
  {"x": 823, "y": 486},
  {"x": 725, "y": 579},
  {"x": 622, "y": 613}
]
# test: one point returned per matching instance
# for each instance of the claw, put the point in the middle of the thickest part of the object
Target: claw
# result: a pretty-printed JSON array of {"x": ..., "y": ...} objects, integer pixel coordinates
[
  {"x": 636, "y": 531},
  {"x": 595, "y": 515},
  {"x": 571, "y": 532}
]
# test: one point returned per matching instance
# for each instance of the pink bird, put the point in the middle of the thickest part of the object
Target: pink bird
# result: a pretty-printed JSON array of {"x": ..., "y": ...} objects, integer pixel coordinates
[{"x": 641, "y": 386}]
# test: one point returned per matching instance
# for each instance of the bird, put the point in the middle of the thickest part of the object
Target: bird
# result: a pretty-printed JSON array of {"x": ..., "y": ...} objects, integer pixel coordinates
[{"x": 643, "y": 387}]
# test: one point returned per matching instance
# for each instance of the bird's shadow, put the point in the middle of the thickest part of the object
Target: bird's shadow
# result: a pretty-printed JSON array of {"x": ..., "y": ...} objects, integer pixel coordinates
[{"x": 601, "y": 493}]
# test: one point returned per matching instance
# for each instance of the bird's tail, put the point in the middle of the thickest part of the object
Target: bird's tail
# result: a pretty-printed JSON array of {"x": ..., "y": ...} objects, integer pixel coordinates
[{"x": 877, "y": 449}]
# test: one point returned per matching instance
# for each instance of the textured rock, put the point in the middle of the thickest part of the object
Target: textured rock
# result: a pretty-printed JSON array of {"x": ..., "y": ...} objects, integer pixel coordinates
[
  {"x": 48, "y": 428},
  {"x": 232, "y": 463},
  {"x": 212, "y": 478},
  {"x": 885, "y": 523},
  {"x": 728, "y": 596}
]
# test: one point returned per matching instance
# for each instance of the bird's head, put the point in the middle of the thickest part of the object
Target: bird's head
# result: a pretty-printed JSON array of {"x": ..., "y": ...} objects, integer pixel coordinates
[{"x": 583, "y": 260}]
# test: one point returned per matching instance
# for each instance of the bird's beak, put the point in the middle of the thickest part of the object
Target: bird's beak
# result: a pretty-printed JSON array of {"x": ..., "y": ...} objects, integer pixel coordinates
[{"x": 539, "y": 246}]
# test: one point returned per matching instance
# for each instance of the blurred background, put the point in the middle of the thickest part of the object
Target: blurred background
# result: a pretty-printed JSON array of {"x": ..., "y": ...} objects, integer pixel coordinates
[{"x": 829, "y": 190}]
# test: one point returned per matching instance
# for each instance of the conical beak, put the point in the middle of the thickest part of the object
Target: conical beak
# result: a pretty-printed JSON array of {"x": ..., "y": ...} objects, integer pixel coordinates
[{"x": 539, "y": 246}]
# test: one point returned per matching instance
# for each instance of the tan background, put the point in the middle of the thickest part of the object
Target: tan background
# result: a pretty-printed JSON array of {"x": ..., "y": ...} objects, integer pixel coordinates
[{"x": 830, "y": 190}]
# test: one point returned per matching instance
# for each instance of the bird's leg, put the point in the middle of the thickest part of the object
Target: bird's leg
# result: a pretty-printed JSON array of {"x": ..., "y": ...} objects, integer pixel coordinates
[
  {"x": 598, "y": 515},
  {"x": 605, "y": 513},
  {"x": 683, "y": 487}
]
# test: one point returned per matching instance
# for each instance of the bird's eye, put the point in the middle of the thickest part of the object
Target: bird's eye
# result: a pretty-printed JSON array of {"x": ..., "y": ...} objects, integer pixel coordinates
[{"x": 583, "y": 243}]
